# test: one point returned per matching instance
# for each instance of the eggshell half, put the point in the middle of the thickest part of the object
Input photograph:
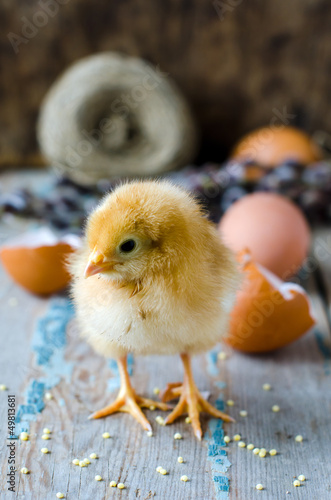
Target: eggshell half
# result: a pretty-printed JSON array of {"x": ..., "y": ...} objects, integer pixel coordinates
[
  {"x": 268, "y": 313},
  {"x": 271, "y": 146},
  {"x": 36, "y": 260},
  {"x": 272, "y": 228}
]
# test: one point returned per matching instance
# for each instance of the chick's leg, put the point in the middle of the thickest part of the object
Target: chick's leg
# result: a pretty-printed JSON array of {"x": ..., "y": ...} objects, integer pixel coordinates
[
  {"x": 128, "y": 401},
  {"x": 190, "y": 400}
]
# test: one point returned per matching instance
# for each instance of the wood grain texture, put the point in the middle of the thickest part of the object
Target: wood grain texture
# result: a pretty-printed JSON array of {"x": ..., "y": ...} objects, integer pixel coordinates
[
  {"x": 299, "y": 375},
  {"x": 129, "y": 456},
  {"x": 300, "y": 378},
  {"x": 240, "y": 64},
  {"x": 321, "y": 258}
]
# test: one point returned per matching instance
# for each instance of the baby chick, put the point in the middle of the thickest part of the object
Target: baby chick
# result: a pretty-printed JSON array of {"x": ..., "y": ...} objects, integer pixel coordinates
[{"x": 159, "y": 282}]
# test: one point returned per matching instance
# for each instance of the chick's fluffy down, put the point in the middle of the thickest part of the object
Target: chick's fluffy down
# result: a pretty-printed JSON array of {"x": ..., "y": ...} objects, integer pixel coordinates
[{"x": 175, "y": 295}]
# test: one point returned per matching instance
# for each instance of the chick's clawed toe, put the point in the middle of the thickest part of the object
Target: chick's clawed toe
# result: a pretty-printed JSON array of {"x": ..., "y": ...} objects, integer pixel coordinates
[
  {"x": 172, "y": 391},
  {"x": 128, "y": 401},
  {"x": 190, "y": 400}
]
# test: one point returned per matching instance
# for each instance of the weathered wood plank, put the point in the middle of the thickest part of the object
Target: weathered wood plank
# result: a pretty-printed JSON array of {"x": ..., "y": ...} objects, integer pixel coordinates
[
  {"x": 129, "y": 456},
  {"x": 321, "y": 252},
  {"x": 301, "y": 387}
]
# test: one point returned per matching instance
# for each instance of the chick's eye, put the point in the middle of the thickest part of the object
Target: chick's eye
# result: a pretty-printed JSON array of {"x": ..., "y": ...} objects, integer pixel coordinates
[{"x": 127, "y": 246}]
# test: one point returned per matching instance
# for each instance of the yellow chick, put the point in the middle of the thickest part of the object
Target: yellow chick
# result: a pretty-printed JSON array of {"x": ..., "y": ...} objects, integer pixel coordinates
[{"x": 159, "y": 282}]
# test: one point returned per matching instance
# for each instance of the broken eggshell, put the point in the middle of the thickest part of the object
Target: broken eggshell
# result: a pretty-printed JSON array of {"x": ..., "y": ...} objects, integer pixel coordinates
[
  {"x": 268, "y": 313},
  {"x": 36, "y": 260}
]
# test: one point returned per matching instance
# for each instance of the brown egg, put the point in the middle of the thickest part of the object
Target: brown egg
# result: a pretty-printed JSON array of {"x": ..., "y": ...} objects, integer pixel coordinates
[
  {"x": 268, "y": 313},
  {"x": 273, "y": 229},
  {"x": 36, "y": 260},
  {"x": 271, "y": 146}
]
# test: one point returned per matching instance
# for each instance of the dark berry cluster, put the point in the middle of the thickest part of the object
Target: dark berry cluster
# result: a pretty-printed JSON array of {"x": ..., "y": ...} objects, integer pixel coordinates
[{"x": 65, "y": 205}]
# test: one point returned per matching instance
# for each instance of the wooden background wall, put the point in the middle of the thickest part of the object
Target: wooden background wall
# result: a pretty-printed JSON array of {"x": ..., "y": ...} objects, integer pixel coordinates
[{"x": 241, "y": 63}]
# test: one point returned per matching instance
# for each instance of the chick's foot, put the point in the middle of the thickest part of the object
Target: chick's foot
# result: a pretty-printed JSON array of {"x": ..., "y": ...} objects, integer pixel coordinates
[
  {"x": 190, "y": 400},
  {"x": 128, "y": 401}
]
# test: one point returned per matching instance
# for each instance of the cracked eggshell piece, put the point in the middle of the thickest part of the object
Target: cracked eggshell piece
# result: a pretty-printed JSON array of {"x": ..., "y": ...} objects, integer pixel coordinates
[
  {"x": 268, "y": 313},
  {"x": 36, "y": 260}
]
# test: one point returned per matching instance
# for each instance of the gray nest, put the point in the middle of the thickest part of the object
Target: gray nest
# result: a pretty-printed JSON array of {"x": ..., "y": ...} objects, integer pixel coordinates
[{"x": 111, "y": 115}]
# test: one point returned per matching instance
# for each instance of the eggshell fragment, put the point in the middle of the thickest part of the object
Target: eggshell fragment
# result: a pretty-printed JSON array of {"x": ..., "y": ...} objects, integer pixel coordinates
[
  {"x": 268, "y": 313},
  {"x": 272, "y": 228},
  {"x": 270, "y": 146},
  {"x": 36, "y": 260}
]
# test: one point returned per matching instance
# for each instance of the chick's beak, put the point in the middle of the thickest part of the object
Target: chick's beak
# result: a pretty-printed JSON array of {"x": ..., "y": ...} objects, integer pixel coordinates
[{"x": 96, "y": 264}]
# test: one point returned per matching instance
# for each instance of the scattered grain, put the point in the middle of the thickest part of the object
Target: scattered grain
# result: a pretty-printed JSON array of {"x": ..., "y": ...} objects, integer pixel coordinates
[{"x": 159, "y": 420}]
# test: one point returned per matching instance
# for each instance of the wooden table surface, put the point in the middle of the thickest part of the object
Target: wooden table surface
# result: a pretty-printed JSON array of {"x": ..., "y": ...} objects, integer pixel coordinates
[{"x": 41, "y": 352}]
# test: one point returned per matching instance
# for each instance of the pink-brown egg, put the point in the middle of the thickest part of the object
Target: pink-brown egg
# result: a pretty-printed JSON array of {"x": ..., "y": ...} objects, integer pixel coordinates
[{"x": 272, "y": 228}]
